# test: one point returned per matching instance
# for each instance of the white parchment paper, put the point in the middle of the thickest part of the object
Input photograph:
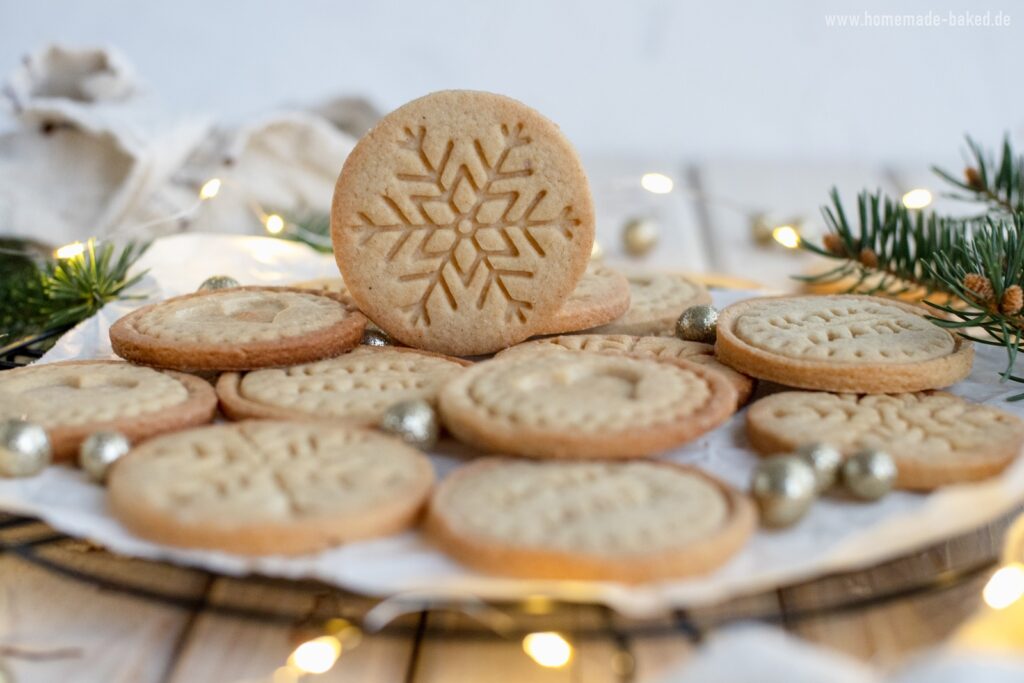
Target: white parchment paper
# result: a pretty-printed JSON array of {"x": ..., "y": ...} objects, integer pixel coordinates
[{"x": 837, "y": 535}]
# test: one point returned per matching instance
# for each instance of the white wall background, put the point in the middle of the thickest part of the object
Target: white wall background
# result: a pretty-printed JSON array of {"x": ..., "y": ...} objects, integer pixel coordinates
[{"x": 645, "y": 77}]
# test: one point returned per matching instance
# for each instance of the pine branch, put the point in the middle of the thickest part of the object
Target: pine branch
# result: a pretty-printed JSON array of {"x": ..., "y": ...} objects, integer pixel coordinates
[{"x": 999, "y": 185}]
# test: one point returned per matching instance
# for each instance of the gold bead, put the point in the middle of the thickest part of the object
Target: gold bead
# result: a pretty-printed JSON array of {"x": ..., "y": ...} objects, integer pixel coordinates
[
  {"x": 784, "y": 486},
  {"x": 639, "y": 236}
]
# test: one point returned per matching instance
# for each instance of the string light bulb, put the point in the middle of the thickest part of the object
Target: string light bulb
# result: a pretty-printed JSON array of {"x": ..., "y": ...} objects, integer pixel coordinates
[
  {"x": 547, "y": 648},
  {"x": 316, "y": 656},
  {"x": 69, "y": 250},
  {"x": 210, "y": 189},
  {"x": 786, "y": 235},
  {"x": 274, "y": 224},
  {"x": 917, "y": 198},
  {"x": 1005, "y": 587},
  {"x": 657, "y": 183}
]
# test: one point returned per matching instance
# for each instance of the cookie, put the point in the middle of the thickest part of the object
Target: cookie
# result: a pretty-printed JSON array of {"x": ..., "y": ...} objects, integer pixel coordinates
[
  {"x": 848, "y": 343},
  {"x": 462, "y": 222},
  {"x": 585, "y": 520},
  {"x": 934, "y": 437},
  {"x": 73, "y": 399},
  {"x": 584, "y": 405},
  {"x": 356, "y": 387},
  {"x": 641, "y": 347},
  {"x": 656, "y": 302},
  {"x": 265, "y": 487},
  {"x": 601, "y": 296},
  {"x": 335, "y": 285},
  {"x": 238, "y": 329}
]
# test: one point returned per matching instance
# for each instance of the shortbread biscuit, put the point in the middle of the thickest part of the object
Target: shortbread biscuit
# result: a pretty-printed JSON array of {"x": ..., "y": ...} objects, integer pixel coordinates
[
  {"x": 356, "y": 387},
  {"x": 238, "y": 329},
  {"x": 462, "y": 222},
  {"x": 265, "y": 487},
  {"x": 605, "y": 521},
  {"x": 848, "y": 343},
  {"x": 73, "y": 399},
  {"x": 656, "y": 302},
  {"x": 584, "y": 405},
  {"x": 659, "y": 348},
  {"x": 935, "y": 438},
  {"x": 601, "y": 296},
  {"x": 335, "y": 285}
]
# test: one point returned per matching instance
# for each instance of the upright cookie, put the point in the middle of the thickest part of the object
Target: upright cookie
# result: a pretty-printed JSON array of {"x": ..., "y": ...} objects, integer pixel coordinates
[
  {"x": 601, "y": 296},
  {"x": 268, "y": 487},
  {"x": 462, "y": 222},
  {"x": 669, "y": 348},
  {"x": 73, "y": 399},
  {"x": 858, "y": 344},
  {"x": 656, "y": 301},
  {"x": 355, "y": 387},
  {"x": 584, "y": 405},
  {"x": 238, "y": 329},
  {"x": 604, "y": 521},
  {"x": 935, "y": 438}
]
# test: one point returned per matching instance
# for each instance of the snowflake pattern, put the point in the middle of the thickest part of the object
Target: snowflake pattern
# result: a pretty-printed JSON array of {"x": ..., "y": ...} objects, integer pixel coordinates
[{"x": 464, "y": 224}]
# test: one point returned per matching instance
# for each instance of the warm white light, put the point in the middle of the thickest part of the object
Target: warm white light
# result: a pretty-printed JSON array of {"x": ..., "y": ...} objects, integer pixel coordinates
[
  {"x": 548, "y": 649},
  {"x": 1005, "y": 587},
  {"x": 917, "y": 198},
  {"x": 210, "y": 188},
  {"x": 316, "y": 656},
  {"x": 658, "y": 183},
  {"x": 274, "y": 223},
  {"x": 787, "y": 236},
  {"x": 70, "y": 250}
]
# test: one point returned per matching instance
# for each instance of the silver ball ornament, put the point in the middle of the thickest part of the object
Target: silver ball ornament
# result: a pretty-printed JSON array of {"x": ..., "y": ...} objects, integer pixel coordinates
[
  {"x": 825, "y": 460},
  {"x": 639, "y": 236},
  {"x": 373, "y": 336},
  {"x": 99, "y": 451},
  {"x": 415, "y": 421},
  {"x": 869, "y": 474},
  {"x": 218, "y": 282},
  {"x": 784, "y": 486},
  {"x": 24, "y": 449},
  {"x": 698, "y": 324}
]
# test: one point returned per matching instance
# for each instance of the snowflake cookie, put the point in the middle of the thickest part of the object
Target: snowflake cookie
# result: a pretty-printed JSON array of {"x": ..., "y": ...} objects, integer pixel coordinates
[{"x": 462, "y": 222}]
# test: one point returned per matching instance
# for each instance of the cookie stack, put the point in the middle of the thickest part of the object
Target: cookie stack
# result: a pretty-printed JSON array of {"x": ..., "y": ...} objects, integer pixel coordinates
[{"x": 462, "y": 226}]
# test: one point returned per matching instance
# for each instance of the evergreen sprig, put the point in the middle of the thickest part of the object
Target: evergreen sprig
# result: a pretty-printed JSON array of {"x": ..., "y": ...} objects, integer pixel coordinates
[
  {"x": 996, "y": 183},
  {"x": 60, "y": 292}
]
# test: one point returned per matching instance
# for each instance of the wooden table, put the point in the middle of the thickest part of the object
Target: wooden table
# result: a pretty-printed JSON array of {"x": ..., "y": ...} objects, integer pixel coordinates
[{"x": 70, "y": 611}]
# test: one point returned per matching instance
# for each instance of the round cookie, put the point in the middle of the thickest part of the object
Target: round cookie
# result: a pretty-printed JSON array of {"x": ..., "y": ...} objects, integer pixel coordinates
[
  {"x": 848, "y": 343},
  {"x": 73, "y": 399},
  {"x": 601, "y": 296},
  {"x": 356, "y": 387},
  {"x": 935, "y": 438},
  {"x": 264, "y": 487},
  {"x": 461, "y": 222},
  {"x": 238, "y": 329},
  {"x": 584, "y": 405},
  {"x": 585, "y": 520},
  {"x": 669, "y": 348},
  {"x": 335, "y": 285},
  {"x": 656, "y": 301}
]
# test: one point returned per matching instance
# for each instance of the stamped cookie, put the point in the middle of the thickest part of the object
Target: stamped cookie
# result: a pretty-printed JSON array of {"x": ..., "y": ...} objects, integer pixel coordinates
[
  {"x": 605, "y": 521},
  {"x": 935, "y": 438},
  {"x": 656, "y": 301},
  {"x": 73, "y": 399},
  {"x": 858, "y": 344},
  {"x": 601, "y": 296},
  {"x": 355, "y": 387},
  {"x": 669, "y": 348},
  {"x": 584, "y": 405},
  {"x": 238, "y": 329},
  {"x": 462, "y": 222},
  {"x": 265, "y": 487},
  {"x": 335, "y": 285}
]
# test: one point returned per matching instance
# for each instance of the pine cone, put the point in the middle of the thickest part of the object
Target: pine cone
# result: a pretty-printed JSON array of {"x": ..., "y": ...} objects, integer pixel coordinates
[
  {"x": 1013, "y": 300},
  {"x": 833, "y": 244},
  {"x": 979, "y": 286},
  {"x": 868, "y": 257},
  {"x": 973, "y": 178}
]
